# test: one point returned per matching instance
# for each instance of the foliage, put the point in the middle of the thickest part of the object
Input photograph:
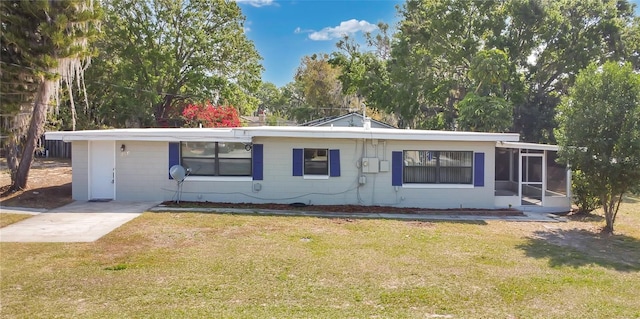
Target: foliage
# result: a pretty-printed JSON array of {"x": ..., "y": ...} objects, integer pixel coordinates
[
  {"x": 271, "y": 99},
  {"x": 599, "y": 132},
  {"x": 320, "y": 88},
  {"x": 160, "y": 55},
  {"x": 486, "y": 109},
  {"x": 484, "y": 113},
  {"x": 209, "y": 115},
  {"x": 364, "y": 75},
  {"x": 45, "y": 44},
  {"x": 583, "y": 192},
  {"x": 520, "y": 52}
]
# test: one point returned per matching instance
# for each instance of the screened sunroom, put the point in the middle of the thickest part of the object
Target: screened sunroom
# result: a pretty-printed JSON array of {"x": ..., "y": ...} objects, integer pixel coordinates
[{"x": 528, "y": 177}]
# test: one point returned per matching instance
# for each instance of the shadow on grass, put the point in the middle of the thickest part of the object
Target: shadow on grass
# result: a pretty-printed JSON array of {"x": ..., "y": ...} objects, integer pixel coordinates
[
  {"x": 586, "y": 217},
  {"x": 579, "y": 247}
]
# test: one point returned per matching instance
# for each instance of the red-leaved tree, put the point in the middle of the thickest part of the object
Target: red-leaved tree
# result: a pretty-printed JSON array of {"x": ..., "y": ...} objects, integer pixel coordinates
[{"x": 211, "y": 116}]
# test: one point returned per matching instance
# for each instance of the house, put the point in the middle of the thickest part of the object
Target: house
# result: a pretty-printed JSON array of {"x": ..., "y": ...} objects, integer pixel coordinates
[
  {"x": 347, "y": 120},
  {"x": 318, "y": 165}
]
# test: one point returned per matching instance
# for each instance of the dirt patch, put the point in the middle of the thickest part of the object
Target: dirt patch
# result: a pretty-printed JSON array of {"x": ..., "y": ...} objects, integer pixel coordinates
[
  {"x": 350, "y": 208},
  {"x": 48, "y": 186}
]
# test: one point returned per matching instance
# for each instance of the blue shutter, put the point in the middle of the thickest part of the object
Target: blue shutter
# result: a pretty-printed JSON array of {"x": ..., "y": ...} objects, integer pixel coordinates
[
  {"x": 478, "y": 169},
  {"x": 298, "y": 161},
  {"x": 174, "y": 155},
  {"x": 257, "y": 162},
  {"x": 334, "y": 163},
  {"x": 396, "y": 168}
]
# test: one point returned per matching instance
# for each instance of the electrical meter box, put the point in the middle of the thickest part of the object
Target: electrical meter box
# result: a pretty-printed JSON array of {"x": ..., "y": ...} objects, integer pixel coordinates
[{"x": 370, "y": 165}]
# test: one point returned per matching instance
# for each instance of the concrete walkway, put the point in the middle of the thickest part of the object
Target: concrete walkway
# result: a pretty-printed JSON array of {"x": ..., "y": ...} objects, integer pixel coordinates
[{"x": 76, "y": 222}]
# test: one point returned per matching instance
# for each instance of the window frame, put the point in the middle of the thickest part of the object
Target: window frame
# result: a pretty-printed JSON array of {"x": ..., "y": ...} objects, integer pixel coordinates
[
  {"x": 217, "y": 161},
  {"x": 306, "y": 171},
  {"x": 435, "y": 155}
]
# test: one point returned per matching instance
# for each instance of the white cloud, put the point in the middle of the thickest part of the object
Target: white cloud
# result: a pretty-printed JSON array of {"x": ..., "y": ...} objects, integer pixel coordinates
[
  {"x": 257, "y": 3},
  {"x": 299, "y": 30},
  {"x": 345, "y": 28}
]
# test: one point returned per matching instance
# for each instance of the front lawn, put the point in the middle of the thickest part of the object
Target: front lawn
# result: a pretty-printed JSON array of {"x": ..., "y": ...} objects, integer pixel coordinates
[
  {"x": 8, "y": 219},
  {"x": 191, "y": 265}
]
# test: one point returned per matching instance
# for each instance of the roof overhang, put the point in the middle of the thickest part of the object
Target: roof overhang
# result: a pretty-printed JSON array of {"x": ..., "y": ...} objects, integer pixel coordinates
[
  {"x": 152, "y": 134},
  {"x": 246, "y": 134},
  {"x": 528, "y": 146}
]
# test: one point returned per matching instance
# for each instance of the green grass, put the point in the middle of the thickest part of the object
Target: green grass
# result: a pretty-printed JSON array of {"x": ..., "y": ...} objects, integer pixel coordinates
[
  {"x": 8, "y": 219},
  {"x": 188, "y": 265}
]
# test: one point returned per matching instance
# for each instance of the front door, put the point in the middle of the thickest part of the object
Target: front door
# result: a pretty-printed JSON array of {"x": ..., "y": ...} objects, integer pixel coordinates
[{"x": 101, "y": 170}]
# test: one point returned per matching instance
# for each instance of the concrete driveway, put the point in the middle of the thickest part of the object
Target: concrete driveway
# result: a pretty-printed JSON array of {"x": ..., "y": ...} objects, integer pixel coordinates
[{"x": 76, "y": 222}]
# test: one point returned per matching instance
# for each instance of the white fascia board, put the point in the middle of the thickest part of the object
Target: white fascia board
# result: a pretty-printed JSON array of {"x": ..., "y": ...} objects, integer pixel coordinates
[
  {"x": 378, "y": 133},
  {"x": 529, "y": 146},
  {"x": 245, "y": 134},
  {"x": 152, "y": 134}
]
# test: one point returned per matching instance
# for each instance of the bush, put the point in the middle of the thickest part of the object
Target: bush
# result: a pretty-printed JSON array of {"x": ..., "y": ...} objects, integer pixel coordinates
[{"x": 584, "y": 195}]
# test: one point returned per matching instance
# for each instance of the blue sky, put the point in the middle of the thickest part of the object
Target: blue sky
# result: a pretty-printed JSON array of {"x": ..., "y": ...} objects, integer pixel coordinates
[{"x": 285, "y": 31}]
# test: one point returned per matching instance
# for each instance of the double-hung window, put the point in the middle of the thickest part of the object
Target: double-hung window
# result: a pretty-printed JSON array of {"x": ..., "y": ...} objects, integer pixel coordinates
[
  {"x": 437, "y": 167},
  {"x": 216, "y": 158}
]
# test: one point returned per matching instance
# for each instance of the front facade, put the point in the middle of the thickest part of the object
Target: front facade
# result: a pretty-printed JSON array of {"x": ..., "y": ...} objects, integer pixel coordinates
[{"x": 318, "y": 166}]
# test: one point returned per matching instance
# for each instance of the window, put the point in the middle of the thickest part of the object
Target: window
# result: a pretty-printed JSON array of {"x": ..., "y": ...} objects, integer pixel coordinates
[
  {"x": 316, "y": 161},
  {"x": 216, "y": 158},
  {"x": 437, "y": 167}
]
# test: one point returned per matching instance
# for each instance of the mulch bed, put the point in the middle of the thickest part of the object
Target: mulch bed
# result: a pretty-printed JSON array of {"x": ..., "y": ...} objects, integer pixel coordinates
[{"x": 350, "y": 208}]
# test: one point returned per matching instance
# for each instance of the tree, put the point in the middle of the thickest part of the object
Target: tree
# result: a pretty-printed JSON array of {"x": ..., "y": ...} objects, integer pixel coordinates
[
  {"x": 46, "y": 43},
  {"x": 599, "y": 132},
  {"x": 546, "y": 42},
  {"x": 209, "y": 115},
  {"x": 271, "y": 98},
  {"x": 431, "y": 57},
  {"x": 364, "y": 75},
  {"x": 322, "y": 90},
  {"x": 164, "y": 54},
  {"x": 486, "y": 109}
]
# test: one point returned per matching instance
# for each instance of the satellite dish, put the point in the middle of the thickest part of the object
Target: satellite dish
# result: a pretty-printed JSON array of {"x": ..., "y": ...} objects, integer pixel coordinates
[{"x": 178, "y": 172}]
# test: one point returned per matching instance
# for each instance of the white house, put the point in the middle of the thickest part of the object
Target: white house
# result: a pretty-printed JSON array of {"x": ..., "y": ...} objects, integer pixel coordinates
[{"x": 320, "y": 166}]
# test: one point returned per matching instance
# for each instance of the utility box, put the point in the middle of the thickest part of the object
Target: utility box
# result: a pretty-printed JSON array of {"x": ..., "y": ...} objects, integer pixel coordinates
[
  {"x": 370, "y": 165},
  {"x": 384, "y": 166}
]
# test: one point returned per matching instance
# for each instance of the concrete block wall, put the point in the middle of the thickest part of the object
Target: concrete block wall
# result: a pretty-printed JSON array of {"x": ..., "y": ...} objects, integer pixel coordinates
[
  {"x": 141, "y": 170},
  {"x": 142, "y": 174},
  {"x": 80, "y": 169},
  {"x": 280, "y": 186}
]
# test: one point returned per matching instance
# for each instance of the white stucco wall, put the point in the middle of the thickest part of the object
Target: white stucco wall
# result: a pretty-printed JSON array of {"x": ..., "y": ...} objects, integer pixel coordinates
[
  {"x": 141, "y": 170},
  {"x": 80, "y": 170},
  {"x": 142, "y": 174}
]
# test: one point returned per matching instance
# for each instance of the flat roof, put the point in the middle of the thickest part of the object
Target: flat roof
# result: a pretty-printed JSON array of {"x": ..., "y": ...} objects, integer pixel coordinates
[
  {"x": 246, "y": 134},
  {"x": 528, "y": 146}
]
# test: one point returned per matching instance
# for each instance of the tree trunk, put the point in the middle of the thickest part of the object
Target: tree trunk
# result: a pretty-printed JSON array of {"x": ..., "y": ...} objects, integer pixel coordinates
[
  {"x": 12, "y": 157},
  {"x": 36, "y": 126}
]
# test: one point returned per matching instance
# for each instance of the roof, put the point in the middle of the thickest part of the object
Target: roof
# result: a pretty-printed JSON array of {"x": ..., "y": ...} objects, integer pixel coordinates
[
  {"x": 529, "y": 146},
  {"x": 327, "y": 121},
  {"x": 246, "y": 134}
]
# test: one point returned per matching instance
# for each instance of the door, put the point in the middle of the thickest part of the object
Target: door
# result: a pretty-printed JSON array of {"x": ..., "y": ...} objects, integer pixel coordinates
[
  {"x": 101, "y": 170},
  {"x": 532, "y": 172}
]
